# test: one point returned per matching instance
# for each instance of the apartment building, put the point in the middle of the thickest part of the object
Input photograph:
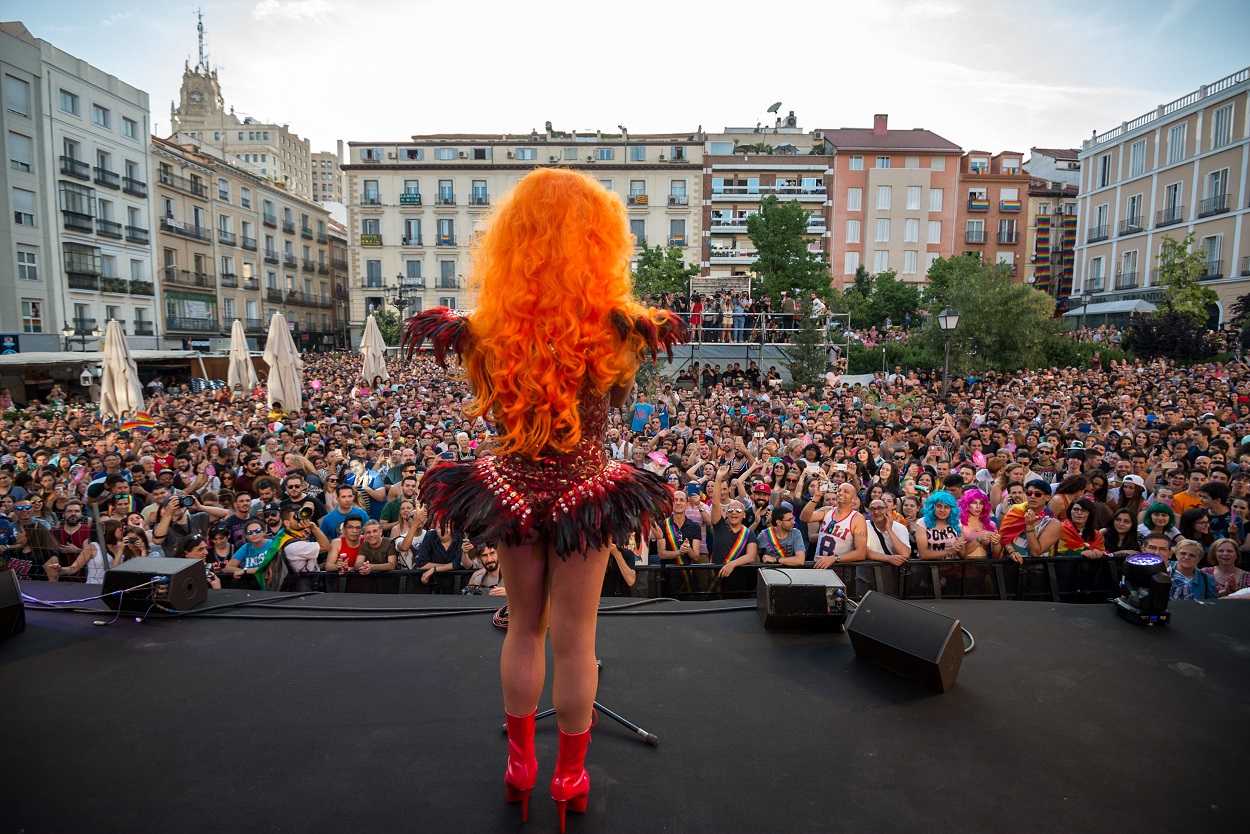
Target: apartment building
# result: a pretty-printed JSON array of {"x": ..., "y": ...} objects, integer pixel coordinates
[
  {"x": 267, "y": 149},
  {"x": 894, "y": 206},
  {"x": 82, "y": 211},
  {"x": 339, "y": 237},
  {"x": 327, "y": 178},
  {"x": 1061, "y": 165},
  {"x": 233, "y": 245},
  {"x": 990, "y": 207},
  {"x": 414, "y": 208},
  {"x": 743, "y": 166},
  {"x": 1178, "y": 169},
  {"x": 1051, "y": 238},
  {"x": 29, "y": 240}
]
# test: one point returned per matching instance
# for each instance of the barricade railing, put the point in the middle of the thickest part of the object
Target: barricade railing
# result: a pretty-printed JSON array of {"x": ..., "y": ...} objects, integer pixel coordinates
[{"x": 1047, "y": 578}]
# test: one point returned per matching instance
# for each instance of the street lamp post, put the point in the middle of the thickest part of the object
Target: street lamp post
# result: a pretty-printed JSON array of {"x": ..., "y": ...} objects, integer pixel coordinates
[
  {"x": 397, "y": 296},
  {"x": 80, "y": 334},
  {"x": 948, "y": 320},
  {"x": 1086, "y": 298}
]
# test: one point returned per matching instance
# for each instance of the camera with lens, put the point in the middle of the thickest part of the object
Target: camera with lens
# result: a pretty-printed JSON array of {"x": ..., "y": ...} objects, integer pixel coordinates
[
  {"x": 186, "y": 501},
  {"x": 305, "y": 513}
]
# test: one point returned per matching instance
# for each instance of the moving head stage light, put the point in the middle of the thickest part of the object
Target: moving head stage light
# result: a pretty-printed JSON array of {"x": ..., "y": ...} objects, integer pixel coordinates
[{"x": 1144, "y": 590}]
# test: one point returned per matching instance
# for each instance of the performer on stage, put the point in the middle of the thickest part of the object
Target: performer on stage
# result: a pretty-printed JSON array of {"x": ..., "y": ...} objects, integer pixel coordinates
[{"x": 555, "y": 342}]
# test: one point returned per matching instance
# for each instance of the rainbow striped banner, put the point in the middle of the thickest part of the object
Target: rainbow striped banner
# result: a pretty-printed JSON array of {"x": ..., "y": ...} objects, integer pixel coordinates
[
  {"x": 1008, "y": 205},
  {"x": 975, "y": 204},
  {"x": 142, "y": 421}
]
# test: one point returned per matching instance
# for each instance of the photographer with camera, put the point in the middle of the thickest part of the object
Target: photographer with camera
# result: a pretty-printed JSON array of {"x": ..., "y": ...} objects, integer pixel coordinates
[
  {"x": 181, "y": 516},
  {"x": 304, "y": 542}
]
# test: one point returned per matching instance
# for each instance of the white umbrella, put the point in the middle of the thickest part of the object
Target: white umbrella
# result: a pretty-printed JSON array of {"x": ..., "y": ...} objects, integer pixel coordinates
[
  {"x": 241, "y": 370},
  {"x": 120, "y": 392},
  {"x": 285, "y": 378},
  {"x": 373, "y": 346}
]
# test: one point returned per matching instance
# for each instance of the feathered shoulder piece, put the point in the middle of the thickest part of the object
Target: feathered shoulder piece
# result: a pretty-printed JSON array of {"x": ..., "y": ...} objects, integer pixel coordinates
[
  {"x": 659, "y": 333},
  {"x": 446, "y": 329}
]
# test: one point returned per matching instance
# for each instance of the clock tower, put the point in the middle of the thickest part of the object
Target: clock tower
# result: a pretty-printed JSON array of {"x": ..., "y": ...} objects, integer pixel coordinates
[{"x": 201, "y": 98}]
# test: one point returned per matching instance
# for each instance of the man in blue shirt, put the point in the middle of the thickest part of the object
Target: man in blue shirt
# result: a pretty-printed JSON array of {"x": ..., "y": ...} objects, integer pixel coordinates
[
  {"x": 641, "y": 414},
  {"x": 332, "y": 522}
]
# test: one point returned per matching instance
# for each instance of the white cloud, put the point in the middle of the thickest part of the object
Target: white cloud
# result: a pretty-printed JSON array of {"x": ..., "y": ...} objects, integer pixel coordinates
[
  {"x": 292, "y": 10},
  {"x": 119, "y": 17}
]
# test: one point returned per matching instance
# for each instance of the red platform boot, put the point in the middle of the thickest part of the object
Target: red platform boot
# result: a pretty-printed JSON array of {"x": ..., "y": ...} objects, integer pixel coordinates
[
  {"x": 522, "y": 770},
  {"x": 570, "y": 787}
]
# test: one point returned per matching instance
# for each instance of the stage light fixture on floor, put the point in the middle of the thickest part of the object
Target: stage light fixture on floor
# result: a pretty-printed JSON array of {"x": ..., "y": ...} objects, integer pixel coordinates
[{"x": 1144, "y": 590}]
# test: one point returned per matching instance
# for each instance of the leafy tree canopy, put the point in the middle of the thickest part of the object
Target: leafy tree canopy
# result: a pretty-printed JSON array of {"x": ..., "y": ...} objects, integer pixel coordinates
[
  {"x": 784, "y": 262},
  {"x": 660, "y": 270},
  {"x": 1180, "y": 266}
]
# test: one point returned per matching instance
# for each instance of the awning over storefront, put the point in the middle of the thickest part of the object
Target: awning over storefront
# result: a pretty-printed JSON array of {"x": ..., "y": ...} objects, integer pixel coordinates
[
  {"x": 91, "y": 357},
  {"x": 1108, "y": 308}
]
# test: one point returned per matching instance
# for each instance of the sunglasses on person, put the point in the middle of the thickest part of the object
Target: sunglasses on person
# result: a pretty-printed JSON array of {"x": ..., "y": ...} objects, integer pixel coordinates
[
  {"x": 1033, "y": 493},
  {"x": 256, "y": 531},
  {"x": 197, "y": 539},
  {"x": 23, "y": 507}
]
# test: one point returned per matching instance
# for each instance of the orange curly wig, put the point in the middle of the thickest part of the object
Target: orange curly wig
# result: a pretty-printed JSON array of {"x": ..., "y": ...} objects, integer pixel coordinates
[{"x": 552, "y": 276}]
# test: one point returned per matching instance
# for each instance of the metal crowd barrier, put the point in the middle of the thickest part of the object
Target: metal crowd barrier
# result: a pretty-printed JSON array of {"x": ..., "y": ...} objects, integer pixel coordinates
[{"x": 1047, "y": 578}]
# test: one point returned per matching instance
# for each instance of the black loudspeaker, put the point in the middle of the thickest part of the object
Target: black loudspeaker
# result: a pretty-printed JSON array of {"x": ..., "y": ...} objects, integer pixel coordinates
[
  {"x": 12, "y": 612},
  {"x": 904, "y": 638},
  {"x": 183, "y": 585},
  {"x": 800, "y": 598}
]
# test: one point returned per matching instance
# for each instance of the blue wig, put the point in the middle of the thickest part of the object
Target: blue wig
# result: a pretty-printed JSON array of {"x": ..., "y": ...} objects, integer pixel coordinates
[{"x": 942, "y": 497}]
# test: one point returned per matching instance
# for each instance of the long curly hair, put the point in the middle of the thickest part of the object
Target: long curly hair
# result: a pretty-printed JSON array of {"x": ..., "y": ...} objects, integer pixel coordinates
[
  {"x": 556, "y": 310},
  {"x": 930, "y": 517},
  {"x": 970, "y": 495}
]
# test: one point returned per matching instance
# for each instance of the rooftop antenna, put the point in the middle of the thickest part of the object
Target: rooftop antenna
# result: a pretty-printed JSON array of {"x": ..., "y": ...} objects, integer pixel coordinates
[{"x": 199, "y": 27}]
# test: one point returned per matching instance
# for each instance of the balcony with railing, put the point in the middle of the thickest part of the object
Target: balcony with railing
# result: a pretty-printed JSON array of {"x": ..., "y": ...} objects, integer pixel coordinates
[
  {"x": 1009, "y": 238},
  {"x": 305, "y": 299},
  {"x": 678, "y": 200},
  {"x": 309, "y": 265},
  {"x": 445, "y": 198},
  {"x": 1169, "y": 216},
  {"x": 445, "y": 240},
  {"x": 251, "y": 284},
  {"x": 191, "y": 325},
  {"x": 289, "y": 261},
  {"x": 142, "y": 288},
  {"x": 340, "y": 264},
  {"x": 288, "y": 226},
  {"x": 1010, "y": 205},
  {"x": 974, "y": 236},
  {"x": 84, "y": 326},
  {"x": 1126, "y": 281},
  {"x": 229, "y": 280},
  {"x": 76, "y": 221},
  {"x": 145, "y": 328},
  {"x": 1131, "y": 225},
  {"x": 410, "y": 198},
  {"x": 816, "y": 225},
  {"x": 187, "y": 278},
  {"x": 306, "y": 232},
  {"x": 248, "y": 243},
  {"x": 1213, "y": 270},
  {"x": 323, "y": 268},
  {"x": 479, "y": 198},
  {"x": 177, "y": 227},
  {"x": 677, "y": 241},
  {"x": 72, "y": 167},
  {"x": 138, "y": 188},
  {"x": 736, "y": 255},
  {"x": 341, "y": 294},
  {"x": 270, "y": 220},
  {"x": 638, "y": 200},
  {"x": 1097, "y": 233},
  {"x": 321, "y": 237},
  {"x": 107, "y": 178},
  {"x": 254, "y": 325},
  {"x": 108, "y": 228},
  {"x": 978, "y": 204},
  {"x": 371, "y": 198},
  {"x": 187, "y": 185},
  {"x": 1245, "y": 265},
  {"x": 135, "y": 234},
  {"x": 731, "y": 226},
  {"x": 228, "y": 238},
  {"x": 81, "y": 280},
  {"x": 271, "y": 257},
  {"x": 1213, "y": 205},
  {"x": 449, "y": 283}
]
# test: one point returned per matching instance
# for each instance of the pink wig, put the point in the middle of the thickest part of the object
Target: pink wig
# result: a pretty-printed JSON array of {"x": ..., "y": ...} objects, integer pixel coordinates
[{"x": 967, "y": 498}]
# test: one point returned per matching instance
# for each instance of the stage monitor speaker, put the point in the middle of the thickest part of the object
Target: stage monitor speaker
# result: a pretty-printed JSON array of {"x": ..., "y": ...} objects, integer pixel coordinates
[
  {"x": 12, "y": 612},
  {"x": 800, "y": 598},
  {"x": 183, "y": 585},
  {"x": 907, "y": 639}
]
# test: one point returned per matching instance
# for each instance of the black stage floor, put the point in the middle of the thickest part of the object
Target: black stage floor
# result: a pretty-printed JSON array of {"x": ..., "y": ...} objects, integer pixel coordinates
[{"x": 1064, "y": 718}]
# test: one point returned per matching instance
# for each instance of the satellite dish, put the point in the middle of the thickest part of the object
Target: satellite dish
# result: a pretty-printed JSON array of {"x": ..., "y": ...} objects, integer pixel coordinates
[
  {"x": 1032, "y": 279},
  {"x": 775, "y": 108}
]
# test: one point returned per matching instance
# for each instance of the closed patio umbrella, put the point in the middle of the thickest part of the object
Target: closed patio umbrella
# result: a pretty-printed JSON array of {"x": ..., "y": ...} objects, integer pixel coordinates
[
  {"x": 120, "y": 392},
  {"x": 241, "y": 370},
  {"x": 373, "y": 346},
  {"x": 285, "y": 367}
]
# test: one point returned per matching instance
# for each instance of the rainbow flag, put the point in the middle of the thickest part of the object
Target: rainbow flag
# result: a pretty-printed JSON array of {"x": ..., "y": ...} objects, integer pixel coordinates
[
  {"x": 975, "y": 204},
  {"x": 275, "y": 547},
  {"x": 1008, "y": 205},
  {"x": 142, "y": 421}
]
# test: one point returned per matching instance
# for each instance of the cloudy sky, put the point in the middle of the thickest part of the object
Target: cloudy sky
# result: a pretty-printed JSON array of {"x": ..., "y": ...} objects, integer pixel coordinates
[{"x": 987, "y": 74}]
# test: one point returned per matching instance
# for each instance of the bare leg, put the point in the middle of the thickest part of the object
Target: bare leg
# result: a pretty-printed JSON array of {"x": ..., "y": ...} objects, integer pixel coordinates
[
  {"x": 523, "y": 662},
  {"x": 575, "y": 585}
]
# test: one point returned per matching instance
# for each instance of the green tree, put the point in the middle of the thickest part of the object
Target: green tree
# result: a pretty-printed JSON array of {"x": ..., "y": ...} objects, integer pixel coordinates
[
  {"x": 388, "y": 323},
  {"x": 661, "y": 270},
  {"x": 1003, "y": 325},
  {"x": 1180, "y": 266},
  {"x": 887, "y": 297},
  {"x": 783, "y": 261}
]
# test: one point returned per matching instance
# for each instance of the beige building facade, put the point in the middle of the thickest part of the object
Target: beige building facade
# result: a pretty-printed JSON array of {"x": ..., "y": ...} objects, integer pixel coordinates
[
  {"x": 414, "y": 208},
  {"x": 1179, "y": 169},
  {"x": 327, "y": 178}
]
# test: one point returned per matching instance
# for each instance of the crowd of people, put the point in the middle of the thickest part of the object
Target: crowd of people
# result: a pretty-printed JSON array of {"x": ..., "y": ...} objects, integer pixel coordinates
[{"x": 1137, "y": 457}]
